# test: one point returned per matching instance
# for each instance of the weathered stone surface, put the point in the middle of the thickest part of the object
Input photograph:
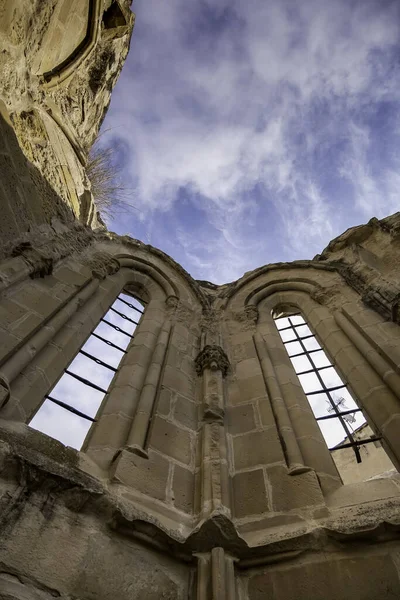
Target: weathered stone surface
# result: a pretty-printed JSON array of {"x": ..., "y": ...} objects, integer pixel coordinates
[
  {"x": 231, "y": 467},
  {"x": 214, "y": 358},
  {"x": 183, "y": 489},
  {"x": 147, "y": 475},
  {"x": 250, "y": 493},
  {"x": 59, "y": 64},
  {"x": 258, "y": 448},
  {"x": 293, "y": 491},
  {"x": 168, "y": 438},
  {"x": 354, "y": 577}
]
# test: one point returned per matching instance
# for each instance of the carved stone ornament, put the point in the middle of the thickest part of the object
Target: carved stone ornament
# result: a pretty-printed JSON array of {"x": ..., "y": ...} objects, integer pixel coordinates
[
  {"x": 324, "y": 295},
  {"x": 102, "y": 265},
  {"x": 40, "y": 264},
  {"x": 172, "y": 301},
  {"x": 214, "y": 358},
  {"x": 251, "y": 312}
]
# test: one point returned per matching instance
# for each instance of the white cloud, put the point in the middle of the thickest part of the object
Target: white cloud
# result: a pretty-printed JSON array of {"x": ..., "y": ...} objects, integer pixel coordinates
[{"x": 256, "y": 97}]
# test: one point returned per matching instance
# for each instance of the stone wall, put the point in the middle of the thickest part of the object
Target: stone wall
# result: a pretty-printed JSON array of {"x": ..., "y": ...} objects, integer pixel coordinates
[
  {"x": 59, "y": 62},
  {"x": 204, "y": 474},
  {"x": 205, "y": 470}
]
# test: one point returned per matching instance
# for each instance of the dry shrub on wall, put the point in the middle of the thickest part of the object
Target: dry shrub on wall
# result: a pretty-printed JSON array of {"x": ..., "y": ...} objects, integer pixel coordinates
[{"x": 104, "y": 171}]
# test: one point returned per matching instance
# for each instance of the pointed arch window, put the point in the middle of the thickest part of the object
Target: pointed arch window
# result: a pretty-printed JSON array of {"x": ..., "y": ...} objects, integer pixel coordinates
[
  {"x": 69, "y": 410},
  {"x": 334, "y": 408}
]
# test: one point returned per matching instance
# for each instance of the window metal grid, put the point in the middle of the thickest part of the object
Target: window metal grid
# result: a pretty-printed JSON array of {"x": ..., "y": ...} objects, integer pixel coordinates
[
  {"x": 94, "y": 336},
  {"x": 296, "y": 321}
]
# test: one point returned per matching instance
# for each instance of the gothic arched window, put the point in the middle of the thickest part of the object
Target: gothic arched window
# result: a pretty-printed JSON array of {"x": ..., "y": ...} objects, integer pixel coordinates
[
  {"x": 337, "y": 414},
  {"x": 71, "y": 407}
]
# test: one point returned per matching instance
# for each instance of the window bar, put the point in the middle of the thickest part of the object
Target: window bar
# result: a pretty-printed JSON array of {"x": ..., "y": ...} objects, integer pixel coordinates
[
  {"x": 97, "y": 360},
  {"x": 71, "y": 409},
  {"x": 123, "y": 315},
  {"x": 117, "y": 328},
  {"x": 300, "y": 353},
  {"x": 345, "y": 412},
  {"x": 130, "y": 305},
  {"x": 313, "y": 370},
  {"x": 109, "y": 343},
  {"x": 327, "y": 391},
  {"x": 86, "y": 381},
  {"x": 357, "y": 443},
  {"x": 133, "y": 296}
]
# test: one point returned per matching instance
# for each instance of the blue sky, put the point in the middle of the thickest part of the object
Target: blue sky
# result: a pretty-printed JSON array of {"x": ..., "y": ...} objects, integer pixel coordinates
[{"x": 255, "y": 132}]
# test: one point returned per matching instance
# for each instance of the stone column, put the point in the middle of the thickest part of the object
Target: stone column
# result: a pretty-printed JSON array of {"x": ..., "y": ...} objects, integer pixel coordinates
[
  {"x": 290, "y": 445},
  {"x": 216, "y": 576},
  {"x": 144, "y": 411},
  {"x": 212, "y": 363},
  {"x": 110, "y": 434},
  {"x": 309, "y": 439}
]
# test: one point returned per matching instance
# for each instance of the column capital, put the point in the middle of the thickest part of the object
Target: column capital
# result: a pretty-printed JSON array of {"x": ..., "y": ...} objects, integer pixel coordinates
[{"x": 214, "y": 358}]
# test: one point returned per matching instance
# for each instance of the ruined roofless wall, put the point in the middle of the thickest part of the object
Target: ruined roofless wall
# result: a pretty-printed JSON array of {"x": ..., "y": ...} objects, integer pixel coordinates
[
  {"x": 59, "y": 61},
  {"x": 205, "y": 474}
]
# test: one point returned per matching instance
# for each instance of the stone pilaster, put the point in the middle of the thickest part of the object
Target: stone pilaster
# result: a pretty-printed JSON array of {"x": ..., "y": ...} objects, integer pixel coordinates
[
  {"x": 216, "y": 576},
  {"x": 213, "y": 364}
]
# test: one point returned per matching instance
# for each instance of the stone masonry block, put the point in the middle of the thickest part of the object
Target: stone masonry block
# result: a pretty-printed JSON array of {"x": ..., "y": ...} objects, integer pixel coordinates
[
  {"x": 67, "y": 275},
  {"x": 248, "y": 368},
  {"x": 249, "y": 493},
  {"x": 258, "y": 448},
  {"x": 178, "y": 381},
  {"x": 391, "y": 431},
  {"x": 241, "y": 418},
  {"x": 9, "y": 343},
  {"x": 267, "y": 416},
  {"x": 17, "y": 319},
  {"x": 112, "y": 432},
  {"x": 164, "y": 402},
  {"x": 146, "y": 475},
  {"x": 183, "y": 489},
  {"x": 137, "y": 355},
  {"x": 366, "y": 577},
  {"x": 171, "y": 440},
  {"x": 293, "y": 491},
  {"x": 251, "y": 388},
  {"x": 186, "y": 412}
]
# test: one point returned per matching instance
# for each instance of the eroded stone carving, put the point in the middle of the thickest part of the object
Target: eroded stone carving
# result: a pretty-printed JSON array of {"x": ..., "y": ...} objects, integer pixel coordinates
[
  {"x": 323, "y": 295},
  {"x": 214, "y": 358},
  {"x": 102, "y": 264},
  {"x": 40, "y": 264},
  {"x": 247, "y": 318},
  {"x": 172, "y": 302}
]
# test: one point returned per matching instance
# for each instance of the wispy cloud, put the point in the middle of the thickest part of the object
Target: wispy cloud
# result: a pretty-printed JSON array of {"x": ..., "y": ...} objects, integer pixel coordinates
[{"x": 257, "y": 131}]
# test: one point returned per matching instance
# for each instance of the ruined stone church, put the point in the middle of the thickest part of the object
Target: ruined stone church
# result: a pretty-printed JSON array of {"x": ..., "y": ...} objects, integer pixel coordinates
[{"x": 204, "y": 473}]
